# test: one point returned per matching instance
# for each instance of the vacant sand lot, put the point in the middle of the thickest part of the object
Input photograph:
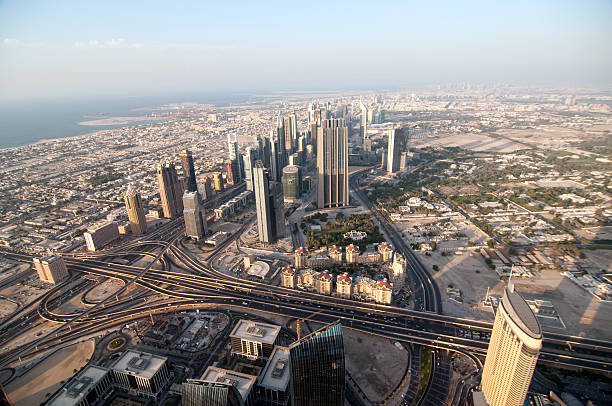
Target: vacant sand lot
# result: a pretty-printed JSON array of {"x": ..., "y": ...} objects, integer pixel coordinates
[{"x": 47, "y": 377}]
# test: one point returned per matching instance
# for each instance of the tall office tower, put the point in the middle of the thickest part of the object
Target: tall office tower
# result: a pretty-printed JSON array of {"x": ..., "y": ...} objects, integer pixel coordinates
[
  {"x": 196, "y": 392},
  {"x": 311, "y": 113},
  {"x": 290, "y": 125},
  {"x": 394, "y": 149},
  {"x": 218, "y": 181},
  {"x": 135, "y": 211},
  {"x": 205, "y": 188},
  {"x": 332, "y": 164},
  {"x": 275, "y": 159},
  {"x": 292, "y": 182},
  {"x": 313, "y": 133},
  {"x": 249, "y": 159},
  {"x": 280, "y": 138},
  {"x": 234, "y": 155},
  {"x": 513, "y": 351},
  {"x": 51, "y": 269},
  {"x": 264, "y": 151},
  {"x": 317, "y": 368},
  {"x": 269, "y": 205},
  {"x": 194, "y": 215},
  {"x": 188, "y": 168},
  {"x": 231, "y": 172},
  {"x": 367, "y": 144},
  {"x": 363, "y": 121},
  {"x": 170, "y": 190}
]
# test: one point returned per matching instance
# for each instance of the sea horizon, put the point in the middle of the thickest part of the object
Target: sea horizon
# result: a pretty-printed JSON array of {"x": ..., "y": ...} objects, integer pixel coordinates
[{"x": 24, "y": 123}]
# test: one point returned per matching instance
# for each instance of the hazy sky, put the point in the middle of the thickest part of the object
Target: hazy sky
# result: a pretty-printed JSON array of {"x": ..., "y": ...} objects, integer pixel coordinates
[{"x": 86, "y": 48}]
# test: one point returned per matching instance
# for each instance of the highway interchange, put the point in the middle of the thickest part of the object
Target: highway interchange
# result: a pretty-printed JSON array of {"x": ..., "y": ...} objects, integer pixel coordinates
[{"x": 177, "y": 280}]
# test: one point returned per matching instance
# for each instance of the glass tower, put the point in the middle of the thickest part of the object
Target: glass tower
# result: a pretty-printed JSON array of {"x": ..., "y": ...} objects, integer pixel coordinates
[
  {"x": 197, "y": 393},
  {"x": 317, "y": 368}
]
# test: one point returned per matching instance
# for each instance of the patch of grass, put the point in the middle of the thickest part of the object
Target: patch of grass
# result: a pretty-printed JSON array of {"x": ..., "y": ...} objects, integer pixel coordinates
[
  {"x": 116, "y": 343},
  {"x": 426, "y": 358}
]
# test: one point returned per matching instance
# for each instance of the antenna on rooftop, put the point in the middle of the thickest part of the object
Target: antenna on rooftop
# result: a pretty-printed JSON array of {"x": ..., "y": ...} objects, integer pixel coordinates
[{"x": 510, "y": 282}]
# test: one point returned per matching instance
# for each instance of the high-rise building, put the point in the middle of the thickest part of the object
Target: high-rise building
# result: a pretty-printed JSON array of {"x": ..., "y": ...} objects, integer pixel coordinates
[
  {"x": 254, "y": 340},
  {"x": 205, "y": 188},
  {"x": 195, "y": 217},
  {"x": 218, "y": 181},
  {"x": 196, "y": 392},
  {"x": 101, "y": 234},
  {"x": 394, "y": 149},
  {"x": 275, "y": 159},
  {"x": 189, "y": 170},
  {"x": 363, "y": 121},
  {"x": 316, "y": 363},
  {"x": 249, "y": 160},
  {"x": 51, "y": 269},
  {"x": 290, "y": 126},
  {"x": 292, "y": 182},
  {"x": 280, "y": 138},
  {"x": 269, "y": 205},
  {"x": 170, "y": 191},
  {"x": 313, "y": 133},
  {"x": 513, "y": 351},
  {"x": 141, "y": 373},
  {"x": 234, "y": 155},
  {"x": 135, "y": 211},
  {"x": 231, "y": 172},
  {"x": 332, "y": 164}
]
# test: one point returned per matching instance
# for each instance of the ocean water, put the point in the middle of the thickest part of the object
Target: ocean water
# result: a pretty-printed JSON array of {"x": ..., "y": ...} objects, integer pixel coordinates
[{"x": 24, "y": 123}]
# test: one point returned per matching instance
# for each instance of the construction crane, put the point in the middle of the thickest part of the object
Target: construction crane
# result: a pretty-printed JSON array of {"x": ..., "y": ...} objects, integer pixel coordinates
[{"x": 300, "y": 321}]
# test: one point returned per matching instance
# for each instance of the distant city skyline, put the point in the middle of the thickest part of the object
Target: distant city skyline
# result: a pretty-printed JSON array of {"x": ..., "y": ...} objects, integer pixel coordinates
[{"x": 110, "y": 49}]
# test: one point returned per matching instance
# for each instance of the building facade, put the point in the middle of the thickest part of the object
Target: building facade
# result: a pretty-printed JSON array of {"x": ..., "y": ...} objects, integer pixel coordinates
[
  {"x": 135, "y": 211},
  {"x": 100, "y": 235},
  {"x": 170, "y": 190},
  {"x": 292, "y": 182},
  {"x": 194, "y": 215},
  {"x": 269, "y": 205},
  {"x": 394, "y": 149},
  {"x": 253, "y": 340},
  {"x": 51, "y": 269},
  {"x": 141, "y": 373},
  {"x": 316, "y": 363},
  {"x": 513, "y": 351},
  {"x": 332, "y": 164},
  {"x": 189, "y": 170}
]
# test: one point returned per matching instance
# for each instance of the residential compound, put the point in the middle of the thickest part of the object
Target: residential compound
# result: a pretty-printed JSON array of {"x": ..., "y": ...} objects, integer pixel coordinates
[{"x": 358, "y": 286}]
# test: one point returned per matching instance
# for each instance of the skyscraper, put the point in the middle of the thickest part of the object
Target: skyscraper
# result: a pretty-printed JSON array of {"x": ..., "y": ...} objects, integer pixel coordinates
[
  {"x": 292, "y": 182},
  {"x": 135, "y": 211},
  {"x": 218, "y": 181},
  {"x": 249, "y": 160},
  {"x": 269, "y": 205},
  {"x": 170, "y": 191},
  {"x": 290, "y": 126},
  {"x": 275, "y": 158},
  {"x": 317, "y": 368},
  {"x": 188, "y": 168},
  {"x": 194, "y": 215},
  {"x": 395, "y": 145},
  {"x": 513, "y": 351},
  {"x": 332, "y": 164},
  {"x": 363, "y": 121},
  {"x": 280, "y": 138},
  {"x": 231, "y": 172},
  {"x": 234, "y": 155}
]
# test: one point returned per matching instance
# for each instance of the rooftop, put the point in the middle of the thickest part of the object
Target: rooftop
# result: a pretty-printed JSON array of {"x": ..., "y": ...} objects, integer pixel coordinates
[
  {"x": 78, "y": 387},
  {"x": 139, "y": 363},
  {"x": 521, "y": 313},
  {"x": 242, "y": 382},
  {"x": 275, "y": 375},
  {"x": 255, "y": 331}
]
